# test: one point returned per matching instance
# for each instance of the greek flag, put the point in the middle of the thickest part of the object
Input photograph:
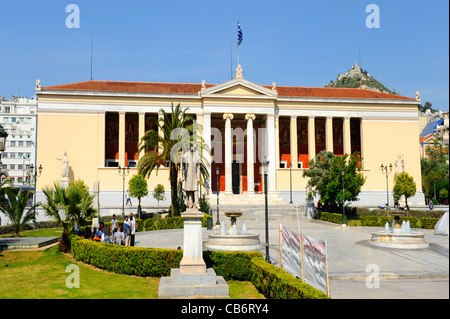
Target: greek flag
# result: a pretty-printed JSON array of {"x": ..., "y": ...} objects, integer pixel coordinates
[{"x": 240, "y": 37}]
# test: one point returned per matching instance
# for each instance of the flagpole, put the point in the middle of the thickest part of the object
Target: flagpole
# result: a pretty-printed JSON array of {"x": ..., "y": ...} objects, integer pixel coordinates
[{"x": 238, "y": 44}]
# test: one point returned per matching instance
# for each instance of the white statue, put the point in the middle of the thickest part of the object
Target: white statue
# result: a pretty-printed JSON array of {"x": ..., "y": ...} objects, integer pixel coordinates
[
  {"x": 191, "y": 177},
  {"x": 65, "y": 164},
  {"x": 38, "y": 84},
  {"x": 203, "y": 85},
  {"x": 399, "y": 164}
]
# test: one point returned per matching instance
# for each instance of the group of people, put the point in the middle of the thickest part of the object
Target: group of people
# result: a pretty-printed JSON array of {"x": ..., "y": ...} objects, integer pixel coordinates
[{"x": 118, "y": 234}]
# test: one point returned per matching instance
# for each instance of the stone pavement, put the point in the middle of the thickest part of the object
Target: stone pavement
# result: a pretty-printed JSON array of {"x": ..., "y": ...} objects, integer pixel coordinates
[{"x": 403, "y": 274}]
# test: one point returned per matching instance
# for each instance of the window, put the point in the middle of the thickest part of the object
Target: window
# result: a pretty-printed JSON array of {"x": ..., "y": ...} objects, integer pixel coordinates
[
  {"x": 13, "y": 143},
  {"x": 13, "y": 119},
  {"x": 12, "y": 166},
  {"x": 6, "y": 120},
  {"x": 21, "y": 143},
  {"x": 7, "y": 109}
]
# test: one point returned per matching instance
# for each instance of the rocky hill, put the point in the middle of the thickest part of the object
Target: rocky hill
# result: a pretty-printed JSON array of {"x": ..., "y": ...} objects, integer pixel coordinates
[{"x": 356, "y": 77}]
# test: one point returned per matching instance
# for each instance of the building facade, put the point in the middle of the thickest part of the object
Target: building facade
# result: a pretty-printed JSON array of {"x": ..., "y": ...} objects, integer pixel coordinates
[
  {"x": 99, "y": 125},
  {"x": 18, "y": 118}
]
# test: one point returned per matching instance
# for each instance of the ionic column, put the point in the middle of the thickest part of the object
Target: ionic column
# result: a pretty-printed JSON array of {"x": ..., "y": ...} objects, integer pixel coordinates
[
  {"x": 141, "y": 131},
  {"x": 346, "y": 136},
  {"x": 122, "y": 139},
  {"x": 329, "y": 134},
  {"x": 207, "y": 138},
  {"x": 228, "y": 153},
  {"x": 293, "y": 139},
  {"x": 250, "y": 117},
  {"x": 311, "y": 138},
  {"x": 160, "y": 132},
  {"x": 362, "y": 131},
  {"x": 270, "y": 131}
]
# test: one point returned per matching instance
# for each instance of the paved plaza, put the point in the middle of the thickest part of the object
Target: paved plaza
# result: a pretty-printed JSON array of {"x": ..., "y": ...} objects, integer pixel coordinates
[{"x": 403, "y": 274}]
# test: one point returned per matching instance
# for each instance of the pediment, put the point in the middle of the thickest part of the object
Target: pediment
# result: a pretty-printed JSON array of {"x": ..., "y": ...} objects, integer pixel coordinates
[{"x": 240, "y": 88}]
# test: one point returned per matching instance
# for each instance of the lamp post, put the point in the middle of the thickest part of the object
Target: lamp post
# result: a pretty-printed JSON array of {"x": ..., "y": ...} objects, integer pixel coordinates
[
  {"x": 3, "y": 136},
  {"x": 218, "y": 191},
  {"x": 344, "y": 222},
  {"x": 36, "y": 175},
  {"x": 290, "y": 185},
  {"x": 387, "y": 170},
  {"x": 265, "y": 164},
  {"x": 123, "y": 171}
]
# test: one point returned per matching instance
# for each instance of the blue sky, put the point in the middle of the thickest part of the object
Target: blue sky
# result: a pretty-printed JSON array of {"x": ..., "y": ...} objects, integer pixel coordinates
[{"x": 296, "y": 43}]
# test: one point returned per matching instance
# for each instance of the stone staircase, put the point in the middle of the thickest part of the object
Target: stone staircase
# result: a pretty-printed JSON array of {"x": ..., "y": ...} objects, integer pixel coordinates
[{"x": 253, "y": 206}]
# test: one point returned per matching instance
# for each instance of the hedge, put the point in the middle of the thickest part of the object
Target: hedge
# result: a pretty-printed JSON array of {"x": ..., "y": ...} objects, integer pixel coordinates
[
  {"x": 380, "y": 220},
  {"x": 154, "y": 262}
]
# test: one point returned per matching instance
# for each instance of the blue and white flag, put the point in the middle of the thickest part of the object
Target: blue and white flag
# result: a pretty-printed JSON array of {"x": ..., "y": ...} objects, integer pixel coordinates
[{"x": 240, "y": 37}]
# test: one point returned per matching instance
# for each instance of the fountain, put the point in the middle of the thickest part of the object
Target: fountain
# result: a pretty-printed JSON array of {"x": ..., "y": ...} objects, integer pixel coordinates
[
  {"x": 399, "y": 236},
  {"x": 232, "y": 239}
]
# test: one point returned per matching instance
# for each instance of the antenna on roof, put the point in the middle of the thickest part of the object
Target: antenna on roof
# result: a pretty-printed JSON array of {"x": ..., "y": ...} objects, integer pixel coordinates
[{"x": 91, "y": 54}]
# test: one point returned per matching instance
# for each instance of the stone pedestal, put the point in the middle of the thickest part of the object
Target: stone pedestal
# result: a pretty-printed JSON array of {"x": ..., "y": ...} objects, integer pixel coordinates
[
  {"x": 64, "y": 182},
  {"x": 193, "y": 279}
]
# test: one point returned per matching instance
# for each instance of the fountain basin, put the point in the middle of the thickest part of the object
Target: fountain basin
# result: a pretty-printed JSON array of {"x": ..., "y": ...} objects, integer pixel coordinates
[
  {"x": 246, "y": 242},
  {"x": 413, "y": 240}
]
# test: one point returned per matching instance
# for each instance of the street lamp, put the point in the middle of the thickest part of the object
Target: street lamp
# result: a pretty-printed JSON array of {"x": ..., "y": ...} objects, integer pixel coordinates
[
  {"x": 3, "y": 136},
  {"x": 36, "y": 175},
  {"x": 218, "y": 191},
  {"x": 265, "y": 164},
  {"x": 344, "y": 222},
  {"x": 387, "y": 170},
  {"x": 123, "y": 171},
  {"x": 290, "y": 185}
]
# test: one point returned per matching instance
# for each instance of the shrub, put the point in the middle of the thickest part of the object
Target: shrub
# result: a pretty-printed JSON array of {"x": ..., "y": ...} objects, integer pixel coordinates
[
  {"x": 154, "y": 262},
  {"x": 277, "y": 284}
]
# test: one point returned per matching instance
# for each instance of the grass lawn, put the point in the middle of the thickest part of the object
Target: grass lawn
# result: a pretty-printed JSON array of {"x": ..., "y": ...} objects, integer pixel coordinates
[
  {"x": 41, "y": 274},
  {"x": 43, "y": 232}
]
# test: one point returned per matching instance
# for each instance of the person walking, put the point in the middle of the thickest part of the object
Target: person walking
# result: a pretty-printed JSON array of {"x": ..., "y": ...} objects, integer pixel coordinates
[
  {"x": 431, "y": 204},
  {"x": 128, "y": 198}
]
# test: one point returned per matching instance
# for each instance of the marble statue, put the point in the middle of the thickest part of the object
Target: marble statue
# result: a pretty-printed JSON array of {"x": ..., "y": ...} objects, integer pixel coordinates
[
  {"x": 65, "y": 164},
  {"x": 191, "y": 160}
]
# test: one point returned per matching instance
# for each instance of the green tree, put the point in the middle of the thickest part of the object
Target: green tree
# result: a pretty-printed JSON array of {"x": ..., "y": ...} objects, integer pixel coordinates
[
  {"x": 434, "y": 168},
  {"x": 404, "y": 185},
  {"x": 176, "y": 135},
  {"x": 15, "y": 209},
  {"x": 138, "y": 188},
  {"x": 325, "y": 178},
  {"x": 159, "y": 193}
]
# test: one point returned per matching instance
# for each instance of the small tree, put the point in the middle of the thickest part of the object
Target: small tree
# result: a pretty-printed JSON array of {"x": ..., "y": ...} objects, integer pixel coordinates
[
  {"x": 138, "y": 188},
  {"x": 325, "y": 178},
  {"x": 15, "y": 208},
  {"x": 159, "y": 193},
  {"x": 404, "y": 185}
]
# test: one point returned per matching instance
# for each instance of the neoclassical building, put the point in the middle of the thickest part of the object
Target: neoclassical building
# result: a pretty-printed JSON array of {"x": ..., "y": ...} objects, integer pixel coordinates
[{"x": 99, "y": 125}]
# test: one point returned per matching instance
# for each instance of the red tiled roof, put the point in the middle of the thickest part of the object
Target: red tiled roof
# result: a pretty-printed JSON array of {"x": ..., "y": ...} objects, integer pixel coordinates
[{"x": 194, "y": 88}]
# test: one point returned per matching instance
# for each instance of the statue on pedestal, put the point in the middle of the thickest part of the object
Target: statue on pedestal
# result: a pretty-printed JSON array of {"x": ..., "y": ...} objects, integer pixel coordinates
[
  {"x": 191, "y": 176},
  {"x": 65, "y": 164}
]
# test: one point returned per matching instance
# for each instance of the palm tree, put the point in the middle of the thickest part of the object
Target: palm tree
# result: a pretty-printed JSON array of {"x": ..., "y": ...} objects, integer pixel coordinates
[
  {"x": 176, "y": 135},
  {"x": 15, "y": 208},
  {"x": 68, "y": 206}
]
